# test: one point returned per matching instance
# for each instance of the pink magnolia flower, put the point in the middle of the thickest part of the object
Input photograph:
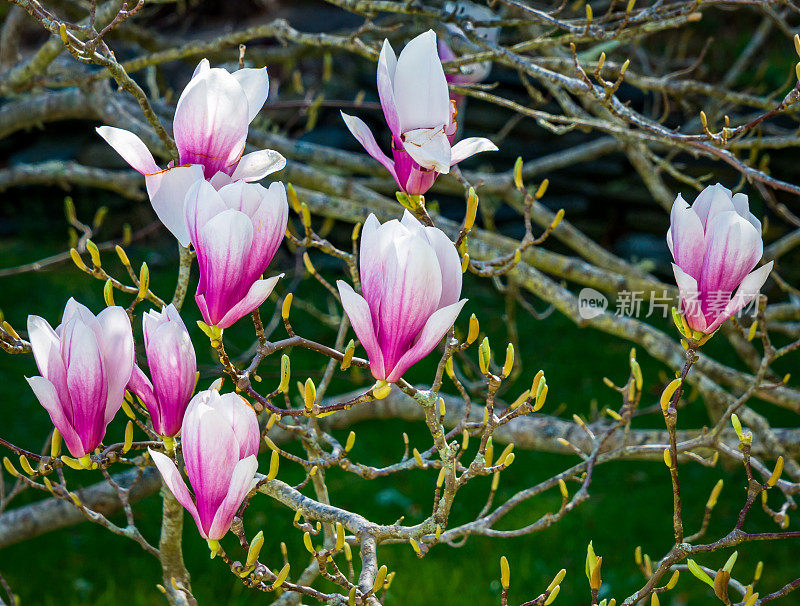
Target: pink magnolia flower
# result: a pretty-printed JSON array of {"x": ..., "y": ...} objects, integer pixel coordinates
[
  {"x": 411, "y": 280},
  {"x": 716, "y": 243},
  {"x": 220, "y": 443},
  {"x": 235, "y": 231},
  {"x": 85, "y": 364},
  {"x": 210, "y": 128},
  {"x": 173, "y": 367},
  {"x": 416, "y": 105}
]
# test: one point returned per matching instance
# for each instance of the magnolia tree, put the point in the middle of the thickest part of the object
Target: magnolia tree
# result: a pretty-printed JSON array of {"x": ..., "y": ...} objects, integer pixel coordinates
[{"x": 220, "y": 443}]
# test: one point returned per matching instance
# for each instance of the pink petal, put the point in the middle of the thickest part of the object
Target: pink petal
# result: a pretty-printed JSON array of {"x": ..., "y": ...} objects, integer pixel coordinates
[
  {"x": 733, "y": 248},
  {"x": 118, "y": 355},
  {"x": 433, "y": 331},
  {"x": 43, "y": 340},
  {"x": 167, "y": 191},
  {"x": 202, "y": 203},
  {"x": 685, "y": 238},
  {"x": 240, "y": 484},
  {"x": 48, "y": 397},
  {"x": 746, "y": 292},
  {"x": 364, "y": 136},
  {"x": 257, "y": 165},
  {"x": 174, "y": 481},
  {"x": 449, "y": 265},
  {"x": 713, "y": 200},
  {"x": 356, "y": 308},
  {"x": 242, "y": 420},
  {"x": 469, "y": 147},
  {"x": 130, "y": 147},
  {"x": 257, "y": 294},
  {"x": 690, "y": 299}
]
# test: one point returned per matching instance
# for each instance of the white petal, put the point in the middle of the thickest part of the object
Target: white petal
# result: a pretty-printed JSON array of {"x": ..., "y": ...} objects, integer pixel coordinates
[
  {"x": 429, "y": 148},
  {"x": 420, "y": 88},
  {"x": 130, "y": 147},
  {"x": 257, "y": 165},
  {"x": 256, "y": 87},
  {"x": 364, "y": 135},
  {"x": 167, "y": 192},
  {"x": 469, "y": 147}
]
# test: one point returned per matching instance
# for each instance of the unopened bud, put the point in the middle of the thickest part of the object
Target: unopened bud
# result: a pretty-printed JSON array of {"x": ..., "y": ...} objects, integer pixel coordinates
[
  {"x": 55, "y": 444},
  {"x": 669, "y": 391},
  {"x": 26, "y": 465},
  {"x": 308, "y": 543},
  {"x": 287, "y": 306},
  {"x": 379, "y": 579},
  {"x": 144, "y": 281},
  {"x": 381, "y": 390},
  {"x": 76, "y": 258},
  {"x": 286, "y": 373},
  {"x": 94, "y": 252},
  {"x": 126, "y": 446},
  {"x": 484, "y": 355},
  {"x": 509, "y": 364},
  {"x": 518, "y": 174},
  {"x": 274, "y": 465},
  {"x": 505, "y": 572},
  {"x": 108, "y": 293},
  {"x": 255, "y": 549},
  {"x": 542, "y": 189},
  {"x": 737, "y": 426},
  {"x": 474, "y": 328},
  {"x": 472, "y": 209},
  {"x": 293, "y": 199},
  {"x": 347, "y": 359},
  {"x": 776, "y": 473},
  {"x": 309, "y": 394},
  {"x": 712, "y": 499}
]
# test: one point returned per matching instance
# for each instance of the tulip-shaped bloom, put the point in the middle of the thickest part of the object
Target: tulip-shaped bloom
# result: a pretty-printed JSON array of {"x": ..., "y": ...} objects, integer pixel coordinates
[
  {"x": 235, "y": 231},
  {"x": 716, "y": 243},
  {"x": 210, "y": 128},
  {"x": 173, "y": 368},
  {"x": 416, "y": 104},
  {"x": 220, "y": 443},
  {"x": 411, "y": 279},
  {"x": 85, "y": 364}
]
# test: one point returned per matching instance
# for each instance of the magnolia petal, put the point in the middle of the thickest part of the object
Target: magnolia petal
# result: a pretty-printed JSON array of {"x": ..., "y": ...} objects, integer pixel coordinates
[
  {"x": 241, "y": 483},
  {"x": 747, "y": 291},
  {"x": 420, "y": 88},
  {"x": 118, "y": 355},
  {"x": 167, "y": 192},
  {"x": 469, "y": 147},
  {"x": 257, "y": 294},
  {"x": 257, "y": 165},
  {"x": 690, "y": 299},
  {"x": 43, "y": 340},
  {"x": 387, "y": 64},
  {"x": 140, "y": 386},
  {"x": 201, "y": 68},
  {"x": 429, "y": 148},
  {"x": 733, "y": 248},
  {"x": 130, "y": 147},
  {"x": 46, "y": 393},
  {"x": 686, "y": 238},
  {"x": 449, "y": 265},
  {"x": 242, "y": 420},
  {"x": 255, "y": 84},
  {"x": 357, "y": 310},
  {"x": 364, "y": 135},
  {"x": 713, "y": 200},
  {"x": 174, "y": 481},
  {"x": 220, "y": 180},
  {"x": 202, "y": 203},
  {"x": 435, "y": 328}
]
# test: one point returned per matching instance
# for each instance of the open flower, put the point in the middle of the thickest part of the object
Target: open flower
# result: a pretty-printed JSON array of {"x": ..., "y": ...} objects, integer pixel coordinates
[
  {"x": 85, "y": 364},
  {"x": 210, "y": 128},
  {"x": 235, "y": 231},
  {"x": 416, "y": 104},
  {"x": 716, "y": 243},
  {"x": 411, "y": 280},
  {"x": 173, "y": 368},
  {"x": 220, "y": 443}
]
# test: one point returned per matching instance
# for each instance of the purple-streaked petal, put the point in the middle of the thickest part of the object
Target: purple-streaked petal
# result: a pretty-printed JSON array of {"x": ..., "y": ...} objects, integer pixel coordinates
[
  {"x": 387, "y": 64},
  {"x": 733, "y": 248},
  {"x": 242, "y": 420},
  {"x": 747, "y": 291},
  {"x": 241, "y": 483},
  {"x": 257, "y": 294},
  {"x": 130, "y": 147},
  {"x": 356, "y": 308},
  {"x": 46, "y": 393},
  {"x": 420, "y": 88},
  {"x": 255, "y": 84},
  {"x": 433, "y": 331},
  {"x": 167, "y": 191},
  {"x": 174, "y": 481},
  {"x": 686, "y": 238},
  {"x": 140, "y": 386},
  {"x": 690, "y": 299},
  {"x": 449, "y": 264},
  {"x": 259, "y": 164},
  {"x": 429, "y": 148},
  {"x": 202, "y": 203},
  {"x": 118, "y": 355},
  {"x": 211, "y": 120},
  {"x": 469, "y": 147},
  {"x": 173, "y": 366},
  {"x": 364, "y": 135}
]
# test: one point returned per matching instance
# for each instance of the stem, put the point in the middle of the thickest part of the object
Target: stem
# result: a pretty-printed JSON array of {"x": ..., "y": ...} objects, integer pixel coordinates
[
  {"x": 172, "y": 566},
  {"x": 184, "y": 270}
]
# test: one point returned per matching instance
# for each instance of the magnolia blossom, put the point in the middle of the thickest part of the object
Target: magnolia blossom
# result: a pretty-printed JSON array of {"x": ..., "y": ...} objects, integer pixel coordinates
[
  {"x": 173, "y": 367},
  {"x": 210, "y": 128},
  {"x": 416, "y": 104},
  {"x": 716, "y": 243},
  {"x": 220, "y": 443},
  {"x": 411, "y": 280},
  {"x": 85, "y": 364},
  {"x": 235, "y": 231}
]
